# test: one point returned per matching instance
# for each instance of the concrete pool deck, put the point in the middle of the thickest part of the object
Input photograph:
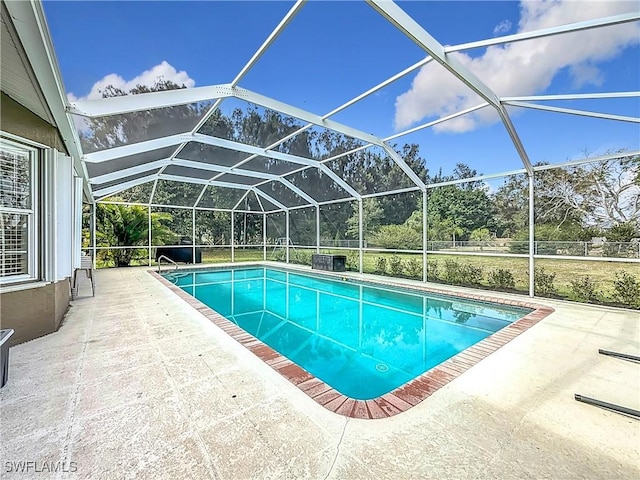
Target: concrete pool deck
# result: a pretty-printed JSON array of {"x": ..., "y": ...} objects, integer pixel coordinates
[{"x": 138, "y": 384}]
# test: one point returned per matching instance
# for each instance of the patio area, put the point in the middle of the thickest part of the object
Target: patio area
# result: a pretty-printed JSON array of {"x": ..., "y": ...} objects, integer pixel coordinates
[{"x": 138, "y": 384}]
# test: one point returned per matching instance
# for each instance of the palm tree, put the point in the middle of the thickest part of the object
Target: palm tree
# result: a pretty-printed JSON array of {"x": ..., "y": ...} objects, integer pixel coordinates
[{"x": 128, "y": 226}]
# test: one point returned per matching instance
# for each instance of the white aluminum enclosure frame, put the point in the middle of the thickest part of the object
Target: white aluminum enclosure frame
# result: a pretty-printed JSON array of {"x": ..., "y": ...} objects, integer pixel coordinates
[{"x": 120, "y": 179}]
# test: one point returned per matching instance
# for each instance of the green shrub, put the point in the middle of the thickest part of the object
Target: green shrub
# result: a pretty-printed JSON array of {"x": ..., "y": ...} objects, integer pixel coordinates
[
  {"x": 544, "y": 282},
  {"x": 551, "y": 239},
  {"x": 471, "y": 274},
  {"x": 451, "y": 273},
  {"x": 397, "y": 236},
  {"x": 627, "y": 289},
  {"x": 353, "y": 262},
  {"x": 413, "y": 267},
  {"x": 302, "y": 257},
  {"x": 381, "y": 265},
  {"x": 501, "y": 278},
  {"x": 395, "y": 265},
  {"x": 433, "y": 270},
  {"x": 461, "y": 273},
  {"x": 583, "y": 290},
  {"x": 622, "y": 232}
]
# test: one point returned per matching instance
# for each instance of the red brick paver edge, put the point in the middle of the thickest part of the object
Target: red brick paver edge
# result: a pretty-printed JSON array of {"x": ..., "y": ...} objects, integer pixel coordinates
[{"x": 398, "y": 400}]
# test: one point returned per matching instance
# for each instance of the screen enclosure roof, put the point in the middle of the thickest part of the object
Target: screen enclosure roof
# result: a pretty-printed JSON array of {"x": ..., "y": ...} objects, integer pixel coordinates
[{"x": 229, "y": 147}]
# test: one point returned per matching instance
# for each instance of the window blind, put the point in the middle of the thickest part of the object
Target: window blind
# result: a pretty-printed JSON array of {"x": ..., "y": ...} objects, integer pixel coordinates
[{"x": 16, "y": 212}]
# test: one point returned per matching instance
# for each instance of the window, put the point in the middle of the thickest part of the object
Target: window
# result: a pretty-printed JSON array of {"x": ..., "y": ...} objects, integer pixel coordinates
[{"x": 18, "y": 216}]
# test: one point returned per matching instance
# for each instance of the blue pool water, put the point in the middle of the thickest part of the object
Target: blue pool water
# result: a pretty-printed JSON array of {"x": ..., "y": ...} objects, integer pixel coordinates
[{"x": 363, "y": 340}]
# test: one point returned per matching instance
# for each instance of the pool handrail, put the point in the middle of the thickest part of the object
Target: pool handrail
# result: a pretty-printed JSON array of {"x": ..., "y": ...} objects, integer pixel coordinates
[{"x": 168, "y": 260}]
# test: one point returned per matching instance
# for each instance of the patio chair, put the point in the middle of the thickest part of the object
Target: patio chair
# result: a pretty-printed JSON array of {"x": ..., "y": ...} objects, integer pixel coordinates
[{"x": 86, "y": 264}]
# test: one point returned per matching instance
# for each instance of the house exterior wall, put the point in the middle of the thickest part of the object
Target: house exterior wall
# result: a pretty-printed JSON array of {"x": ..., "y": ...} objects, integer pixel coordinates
[
  {"x": 34, "y": 312},
  {"x": 37, "y": 309},
  {"x": 19, "y": 121}
]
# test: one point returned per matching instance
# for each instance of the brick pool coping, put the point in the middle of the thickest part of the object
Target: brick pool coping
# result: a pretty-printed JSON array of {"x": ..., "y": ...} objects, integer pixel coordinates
[{"x": 398, "y": 400}]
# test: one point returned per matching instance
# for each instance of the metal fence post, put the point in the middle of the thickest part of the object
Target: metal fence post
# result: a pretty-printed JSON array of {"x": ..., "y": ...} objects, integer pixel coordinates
[
  {"x": 361, "y": 235},
  {"x": 287, "y": 239},
  {"x": 93, "y": 234},
  {"x": 264, "y": 236},
  {"x": 149, "y": 219},
  {"x": 424, "y": 235},
  {"x": 318, "y": 229},
  {"x": 532, "y": 244},
  {"x": 193, "y": 235}
]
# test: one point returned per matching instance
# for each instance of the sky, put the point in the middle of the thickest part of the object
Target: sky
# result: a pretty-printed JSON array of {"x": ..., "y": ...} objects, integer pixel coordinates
[{"x": 333, "y": 51}]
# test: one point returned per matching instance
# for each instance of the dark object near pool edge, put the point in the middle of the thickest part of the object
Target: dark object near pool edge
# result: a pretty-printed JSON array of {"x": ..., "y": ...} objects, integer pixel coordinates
[
  {"x": 4, "y": 355},
  {"x": 330, "y": 263},
  {"x": 609, "y": 406},
  {"x": 181, "y": 254},
  {"x": 623, "y": 356}
]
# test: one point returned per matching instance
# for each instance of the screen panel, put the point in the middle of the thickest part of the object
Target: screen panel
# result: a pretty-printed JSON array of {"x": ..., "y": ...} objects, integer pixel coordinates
[
  {"x": 110, "y": 166},
  {"x": 392, "y": 221},
  {"x": 137, "y": 194},
  {"x": 183, "y": 194},
  {"x": 189, "y": 172},
  {"x": 201, "y": 152},
  {"x": 337, "y": 225},
  {"x": 213, "y": 228},
  {"x": 126, "y": 128},
  {"x": 270, "y": 165},
  {"x": 221, "y": 197},
  {"x": 302, "y": 226},
  {"x": 173, "y": 226},
  {"x": 317, "y": 184},
  {"x": 370, "y": 170},
  {"x": 248, "y": 230},
  {"x": 581, "y": 136},
  {"x": 249, "y": 123},
  {"x": 282, "y": 194},
  {"x": 99, "y": 186},
  {"x": 318, "y": 143}
]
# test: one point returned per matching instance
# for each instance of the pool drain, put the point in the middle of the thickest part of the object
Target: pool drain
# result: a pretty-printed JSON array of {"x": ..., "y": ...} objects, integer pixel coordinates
[{"x": 381, "y": 367}]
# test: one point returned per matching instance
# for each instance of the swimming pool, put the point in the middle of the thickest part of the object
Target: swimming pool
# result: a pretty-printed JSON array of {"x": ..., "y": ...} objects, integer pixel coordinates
[{"x": 363, "y": 339}]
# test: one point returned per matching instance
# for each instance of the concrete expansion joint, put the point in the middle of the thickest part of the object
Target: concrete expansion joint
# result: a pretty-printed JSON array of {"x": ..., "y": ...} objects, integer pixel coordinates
[
  {"x": 76, "y": 394},
  {"x": 335, "y": 458},
  {"x": 212, "y": 470}
]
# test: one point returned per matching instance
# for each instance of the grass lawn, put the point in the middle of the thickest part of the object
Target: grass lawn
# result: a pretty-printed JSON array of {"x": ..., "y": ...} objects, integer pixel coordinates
[{"x": 602, "y": 274}]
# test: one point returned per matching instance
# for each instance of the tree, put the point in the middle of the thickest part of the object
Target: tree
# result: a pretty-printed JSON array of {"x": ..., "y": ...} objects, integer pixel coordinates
[
  {"x": 400, "y": 237},
  {"x": 454, "y": 211},
  {"x": 599, "y": 194},
  {"x": 619, "y": 240},
  {"x": 480, "y": 235},
  {"x": 564, "y": 238},
  {"x": 511, "y": 206},
  {"x": 120, "y": 225},
  {"x": 589, "y": 196},
  {"x": 372, "y": 216},
  {"x": 623, "y": 232},
  {"x": 608, "y": 193},
  {"x": 458, "y": 210}
]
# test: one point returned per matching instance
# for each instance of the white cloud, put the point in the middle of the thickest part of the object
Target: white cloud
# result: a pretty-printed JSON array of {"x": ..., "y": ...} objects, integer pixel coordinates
[
  {"x": 162, "y": 71},
  {"x": 586, "y": 73},
  {"x": 522, "y": 68},
  {"x": 503, "y": 27}
]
